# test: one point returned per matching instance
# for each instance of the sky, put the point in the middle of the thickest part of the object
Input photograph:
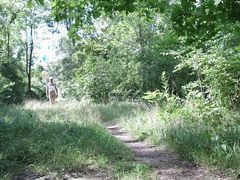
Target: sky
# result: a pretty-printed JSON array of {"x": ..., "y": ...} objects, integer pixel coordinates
[{"x": 46, "y": 43}]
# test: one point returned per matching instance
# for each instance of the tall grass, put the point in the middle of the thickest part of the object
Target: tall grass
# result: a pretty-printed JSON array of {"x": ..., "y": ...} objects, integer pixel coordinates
[
  {"x": 69, "y": 136},
  {"x": 66, "y": 137},
  {"x": 210, "y": 136},
  {"x": 198, "y": 132}
]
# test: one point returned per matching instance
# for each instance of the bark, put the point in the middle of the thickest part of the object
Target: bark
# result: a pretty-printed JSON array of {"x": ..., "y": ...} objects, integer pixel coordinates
[
  {"x": 8, "y": 43},
  {"x": 30, "y": 60},
  {"x": 26, "y": 57},
  {"x": 141, "y": 38}
]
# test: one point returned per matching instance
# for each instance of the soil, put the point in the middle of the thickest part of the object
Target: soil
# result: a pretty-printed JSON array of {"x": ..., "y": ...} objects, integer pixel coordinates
[
  {"x": 83, "y": 174},
  {"x": 166, "y": 164}
]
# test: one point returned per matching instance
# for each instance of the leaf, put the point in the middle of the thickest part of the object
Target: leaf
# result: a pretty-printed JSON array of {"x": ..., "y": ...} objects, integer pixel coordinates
[
  {"x": 224, "y": 147},
  {"x": 217, "y": 2},
  {"x": 41, "y": 2},
  {"x": 29, "y": 4}
]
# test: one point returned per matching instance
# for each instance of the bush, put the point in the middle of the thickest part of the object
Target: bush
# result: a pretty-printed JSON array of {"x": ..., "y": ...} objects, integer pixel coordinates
[{"x": 216, "y": 65}]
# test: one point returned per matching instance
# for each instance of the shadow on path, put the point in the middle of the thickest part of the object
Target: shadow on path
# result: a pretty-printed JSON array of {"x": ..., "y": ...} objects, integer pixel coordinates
[{"x": 166, "y": 164}]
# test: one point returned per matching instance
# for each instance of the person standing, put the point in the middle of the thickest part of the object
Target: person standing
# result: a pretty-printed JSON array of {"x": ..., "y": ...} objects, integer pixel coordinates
[{"x": 51, "y": 91}]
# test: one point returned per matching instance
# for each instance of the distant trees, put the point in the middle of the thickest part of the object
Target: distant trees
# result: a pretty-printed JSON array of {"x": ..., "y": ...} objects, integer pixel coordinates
[
  {"x": 31, "y": 19},
  {"x": 120, "y": 48},
  {"x": 17, "y": 24},
  {"x": 10, "y": 69},
  {"x": 192, "y": 43},
  {"x": 121, "y": 58}
]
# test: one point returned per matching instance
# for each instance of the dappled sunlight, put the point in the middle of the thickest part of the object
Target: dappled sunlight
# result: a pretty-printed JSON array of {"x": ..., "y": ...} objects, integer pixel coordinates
[
  {"x": 167, "y": 71},
  {"x": 40, "y": 139},
  {"x": 66, "y": 110}
]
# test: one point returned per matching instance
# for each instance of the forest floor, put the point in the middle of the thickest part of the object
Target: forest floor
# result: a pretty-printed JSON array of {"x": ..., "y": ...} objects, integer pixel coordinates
[{"x": 165, "y": 163}]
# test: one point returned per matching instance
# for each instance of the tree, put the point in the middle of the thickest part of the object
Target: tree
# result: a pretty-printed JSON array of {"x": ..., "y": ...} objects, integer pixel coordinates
[
  {"x": 201, "y": 20},
  {"x": 31, "y": 19},
  {"x": 17, "y": 19},
  {"x": 10, "y": 69}
]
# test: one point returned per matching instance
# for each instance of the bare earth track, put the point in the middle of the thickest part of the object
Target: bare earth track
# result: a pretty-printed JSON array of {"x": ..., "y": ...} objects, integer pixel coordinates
[{"x": 166, "y": 164}]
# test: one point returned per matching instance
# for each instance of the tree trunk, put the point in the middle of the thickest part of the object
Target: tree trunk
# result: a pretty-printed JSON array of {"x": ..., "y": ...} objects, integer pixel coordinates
[
  {"x": 141, "y": 38},
  {"x": 68, "y": 24},
  {"x": 8, "y": 43},
  {"x": 30, "y": 60},
  {"x": 26, "y": 50}
]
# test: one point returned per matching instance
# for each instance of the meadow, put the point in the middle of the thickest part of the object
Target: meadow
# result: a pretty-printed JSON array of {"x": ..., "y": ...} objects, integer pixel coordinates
[
  {"x": 71, "y": 137},
  {"x": 67, "y": 137}
]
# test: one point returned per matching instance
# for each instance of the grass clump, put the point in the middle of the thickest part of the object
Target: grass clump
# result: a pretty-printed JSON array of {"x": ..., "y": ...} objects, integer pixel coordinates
[
  {"x": 62, "y": 138},
  {"x": 206, "y": 136}
]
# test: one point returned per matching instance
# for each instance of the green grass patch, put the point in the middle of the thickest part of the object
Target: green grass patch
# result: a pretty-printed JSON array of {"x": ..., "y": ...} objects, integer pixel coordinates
[
  {"x": 196, "y": 132},
  {"x": 69, "y": 136},
  {"x": 207, "y": 138},
  {"x": 114, "y": 111},
  {"x": 66, "y": 137}
]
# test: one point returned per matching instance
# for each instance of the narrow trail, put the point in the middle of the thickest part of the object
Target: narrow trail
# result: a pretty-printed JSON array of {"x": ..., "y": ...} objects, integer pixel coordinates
[{"x": 166, "y": 164}]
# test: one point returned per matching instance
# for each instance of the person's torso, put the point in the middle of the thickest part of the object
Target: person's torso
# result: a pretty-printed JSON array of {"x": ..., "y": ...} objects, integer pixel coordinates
[{"x": 51, "y": 87}]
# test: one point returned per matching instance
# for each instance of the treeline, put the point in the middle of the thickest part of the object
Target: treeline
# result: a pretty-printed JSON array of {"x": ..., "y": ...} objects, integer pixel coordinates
[
  {"x": 19, "y": 80},
  {"x": 120, "y": 49},
  {"x": 123, "y": 56},
  {"x": 122, "y": 59}
]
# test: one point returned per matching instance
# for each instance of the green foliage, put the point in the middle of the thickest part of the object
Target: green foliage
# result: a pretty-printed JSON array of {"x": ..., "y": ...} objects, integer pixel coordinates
[
  {"x": 122, "y": 58},
  {"x": 216, "y": 66},
  {"x": 104, "y": 79},
  {"x": 9, "y": 71},
  {"x": 185, "y": 59},
  {"x": 83, "y": 11},
  {"x": 152, "y": 96},
  {"x": 200, "y": 20},
  {"x": 15, "y": 20},
  {"x": 15, "y": 91},
  {"x": 207, "y": 136},
  {"x": 4, "y": 84},
  {"x": 163, "y": 98}
]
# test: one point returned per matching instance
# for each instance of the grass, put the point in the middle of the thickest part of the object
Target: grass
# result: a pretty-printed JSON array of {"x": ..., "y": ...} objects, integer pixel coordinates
[
  {"x": 67, "y": 137},
  {"x": 206, "y": 137},
  {"x": 195, "y": 131},
  {"x": 70, "y": 137}
]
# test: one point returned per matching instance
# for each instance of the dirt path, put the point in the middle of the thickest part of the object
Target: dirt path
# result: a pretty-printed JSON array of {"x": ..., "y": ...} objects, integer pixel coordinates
[{"x": 166, "y": 164}]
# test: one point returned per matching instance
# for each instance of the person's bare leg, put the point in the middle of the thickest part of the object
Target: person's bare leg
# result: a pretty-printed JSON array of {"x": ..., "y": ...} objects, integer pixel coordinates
[
  {"x": 53, "y": 100},
  {"x": 50, "y": 102}
]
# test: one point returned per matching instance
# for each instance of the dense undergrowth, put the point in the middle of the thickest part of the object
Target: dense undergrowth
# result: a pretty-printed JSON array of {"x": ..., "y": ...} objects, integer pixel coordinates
[{"x": 67, "y": 137}]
